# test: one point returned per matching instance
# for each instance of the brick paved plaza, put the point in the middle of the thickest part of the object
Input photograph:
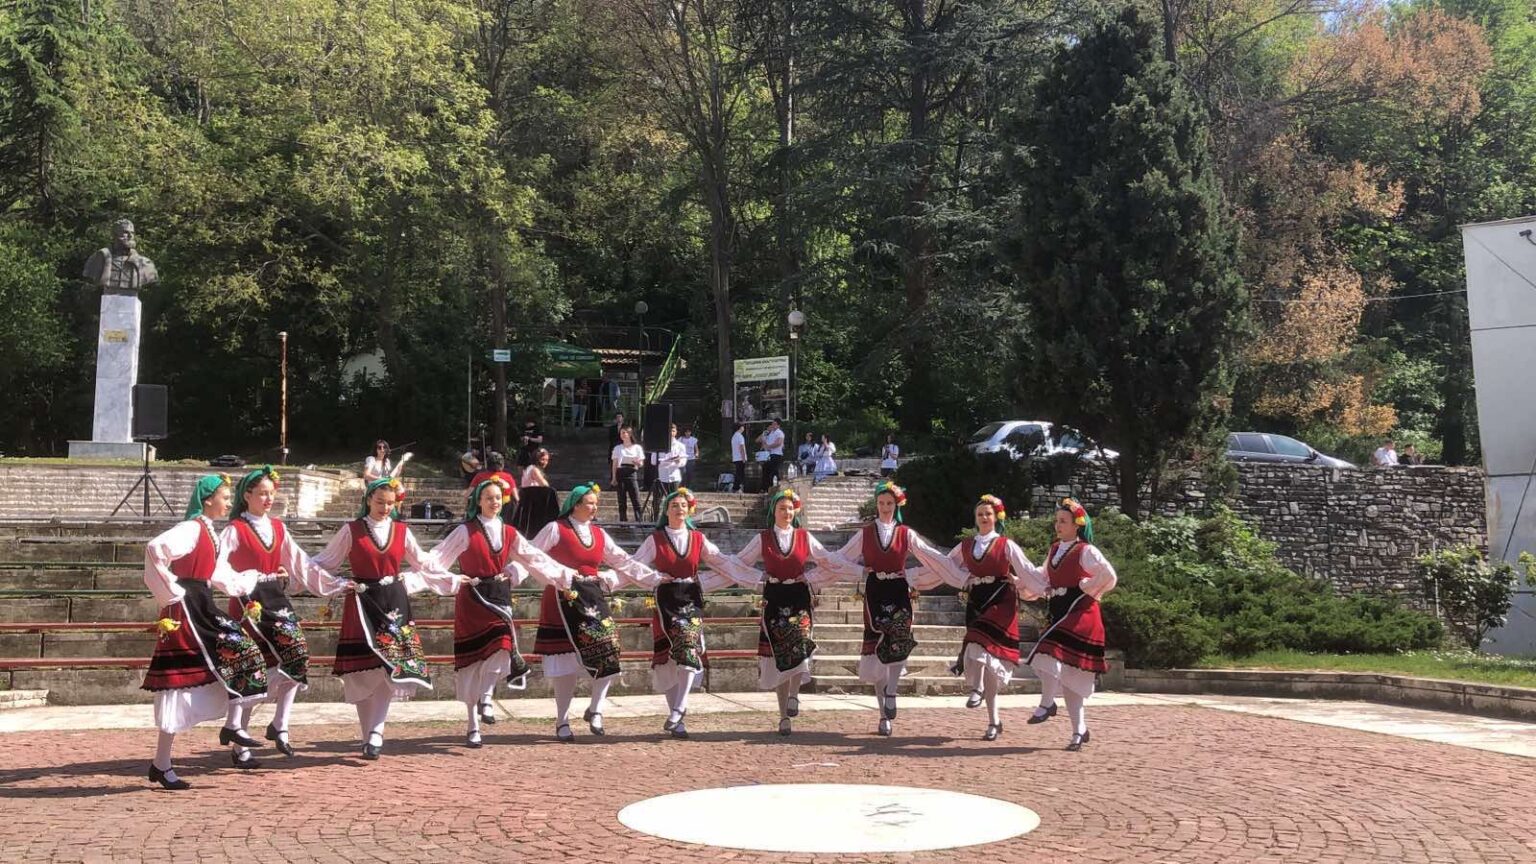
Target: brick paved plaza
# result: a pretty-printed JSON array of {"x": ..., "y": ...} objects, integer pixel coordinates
[{"x": 1158, "y": 784}]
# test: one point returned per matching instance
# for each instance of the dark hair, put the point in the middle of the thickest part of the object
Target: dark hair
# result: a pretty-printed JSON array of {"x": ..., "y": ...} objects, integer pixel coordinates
[
  {"x": 496, "y": 462},
  {"x": 381, "y": 443}
]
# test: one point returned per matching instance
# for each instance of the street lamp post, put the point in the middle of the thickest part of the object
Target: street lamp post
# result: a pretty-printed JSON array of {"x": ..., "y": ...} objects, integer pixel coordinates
[
  {"x": 796, "y": 321},
  {"x": 641, "y": 307}
]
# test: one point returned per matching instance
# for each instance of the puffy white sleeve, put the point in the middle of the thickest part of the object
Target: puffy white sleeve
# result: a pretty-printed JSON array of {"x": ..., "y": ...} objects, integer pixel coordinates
[
  {"x": 424, "y": 574},
  {"x": 646, "y": 554},
  {"x": 303, "y": 570},
  {"x": 178, "y": 542},
  {"x": 1030, "y": 580},
  {"x": 628, "y": 570},
  {"x": 836, "y": 566},
  {"x": 334, "y": 554},
  {"x": 445, "y": 554},
  {"x": 752, "y": 552},
  {"x": 229, "y": 541},
  {"x": 725, "y": 570},
  {"x": 547, "y": 537},
  {"x": 233, "y": 583},
  {"x": 937, "y": 564},
  {"x": 852, "y": 551},
  {"x": 1101, "y": 576},
  {"x": 531, "y": 563}
]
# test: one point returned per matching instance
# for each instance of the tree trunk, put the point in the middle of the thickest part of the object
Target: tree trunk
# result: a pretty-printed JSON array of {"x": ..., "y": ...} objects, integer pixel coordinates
[
  {"x": 498, "y": 301},
  {"x": 1129, "y": 466},
  {"x": 917, "y": 235}
]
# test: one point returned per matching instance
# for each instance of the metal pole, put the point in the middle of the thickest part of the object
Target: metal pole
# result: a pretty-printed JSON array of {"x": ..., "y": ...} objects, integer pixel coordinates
[
  {"x": 282, "y": 427},
  {"x": 469, "y": 401}
]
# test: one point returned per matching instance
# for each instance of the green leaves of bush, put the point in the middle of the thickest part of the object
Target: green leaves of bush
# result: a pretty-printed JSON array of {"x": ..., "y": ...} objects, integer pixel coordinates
[{"x": 1473, "y": 594}]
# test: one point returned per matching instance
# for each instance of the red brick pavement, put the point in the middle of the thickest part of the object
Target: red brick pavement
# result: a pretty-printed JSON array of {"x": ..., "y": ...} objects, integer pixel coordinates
[{"x": 1158, "y": 784}]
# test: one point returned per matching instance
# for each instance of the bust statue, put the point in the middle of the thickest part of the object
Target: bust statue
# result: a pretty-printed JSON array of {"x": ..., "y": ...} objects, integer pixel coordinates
[{"x": 120, "y": 269}]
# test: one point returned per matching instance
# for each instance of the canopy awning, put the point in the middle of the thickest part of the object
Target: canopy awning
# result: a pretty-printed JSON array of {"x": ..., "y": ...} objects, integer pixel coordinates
[{"x": 561, "y": 359}]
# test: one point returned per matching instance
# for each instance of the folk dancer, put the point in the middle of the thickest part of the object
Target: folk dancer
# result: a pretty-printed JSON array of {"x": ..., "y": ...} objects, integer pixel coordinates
[
  {"x": 577, "y": 634},
  {"x": 678, "y": 551},
  {"x": 1070, "y": 653},
  {"x": 784, "y": 641},
  {"x": 495, "y": 558},
  {"x": 890, "y": 591},
  {"x": 204, "y": 665},
  {"x": 378, "y": 653}
]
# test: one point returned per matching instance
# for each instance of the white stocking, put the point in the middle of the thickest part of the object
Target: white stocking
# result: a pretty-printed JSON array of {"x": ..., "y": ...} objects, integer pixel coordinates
[
  {"x": 782, "y": 691},
  {"x": 232, "y": 718},
  {"x": 163, "y": 751},
  {"x": 1075, "y": 710},
  {"x": 990, "y": 692},
  {"x": 680, "y": 703},
  {"x": 474, "y": 719},
  {"x": 282, "y": 707},
  {"x": 377, "y": 706},
  {"x": 892, "y": 680},
  {"x": 1050, "y": 687},
  {"x": 599, "y": 693},
  {"x": 565, "y": 691}
]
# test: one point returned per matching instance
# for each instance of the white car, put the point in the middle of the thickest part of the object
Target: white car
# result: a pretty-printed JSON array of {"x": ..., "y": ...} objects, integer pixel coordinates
[{"x": 1035, "y": 438}]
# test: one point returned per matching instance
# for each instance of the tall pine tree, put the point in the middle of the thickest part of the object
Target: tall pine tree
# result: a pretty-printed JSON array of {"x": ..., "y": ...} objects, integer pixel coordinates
[{"x": 1124, "y": 252}]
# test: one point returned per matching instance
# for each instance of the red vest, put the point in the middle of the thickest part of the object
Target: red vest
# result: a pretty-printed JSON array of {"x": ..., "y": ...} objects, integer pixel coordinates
[
  {"x": 201, "y": 561},
  {"x": 252, "y": 554},
  {"x": 571, "y": 552},
  {"x": 479, "y": 560},
  {"x": 993, "y": 562},
  {"x": 1070, "y": 571},
  {"x": 878, "y": 560},
  {"x": 674, "y": 565},
  {"x": 369, "y": 563},
  {"x": 789, "y": 567}
]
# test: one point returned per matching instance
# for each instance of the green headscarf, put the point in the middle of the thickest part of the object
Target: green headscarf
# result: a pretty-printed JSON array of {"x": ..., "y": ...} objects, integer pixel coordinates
[
  {"x": 773, "y": 503},
  {"x": 373, "y": 487},
  {"x": 245, "y": 484},
  {"x": 661, "y": 520},
  {"x": 1079, "y": 515},
  {"x": 206, "y": 486},
  {"x": 472, "y": 509},
  {"x": 896, "y": 492},
  {"x": 576, "y": 495}
]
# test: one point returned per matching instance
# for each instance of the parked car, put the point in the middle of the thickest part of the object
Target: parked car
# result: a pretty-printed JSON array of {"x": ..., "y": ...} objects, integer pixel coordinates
[
  {"x": 1266, "y": 447},
  {"x": 1034, "y": 438}
]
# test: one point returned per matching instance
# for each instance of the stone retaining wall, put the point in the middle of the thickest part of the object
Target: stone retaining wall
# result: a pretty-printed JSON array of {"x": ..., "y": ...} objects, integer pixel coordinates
[
  {"x": 1359, "y": 528},
  {"x": 66, "y": 491}
]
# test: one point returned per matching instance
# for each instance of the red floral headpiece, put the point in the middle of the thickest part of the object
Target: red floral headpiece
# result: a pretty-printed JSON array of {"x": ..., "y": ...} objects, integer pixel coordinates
[{"x": 997, "y": 506}]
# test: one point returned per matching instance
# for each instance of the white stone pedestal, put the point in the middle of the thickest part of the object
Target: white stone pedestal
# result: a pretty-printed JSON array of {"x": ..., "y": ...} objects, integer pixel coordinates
[{"x": 117, "y": 370}]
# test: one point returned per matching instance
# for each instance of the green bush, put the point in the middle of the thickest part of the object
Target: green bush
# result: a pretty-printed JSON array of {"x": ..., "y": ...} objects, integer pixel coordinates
[
  {"x": 942, "y": 489},
  {"x": 1473, "y": 593},
  {"x": 1191, "y": 587}
]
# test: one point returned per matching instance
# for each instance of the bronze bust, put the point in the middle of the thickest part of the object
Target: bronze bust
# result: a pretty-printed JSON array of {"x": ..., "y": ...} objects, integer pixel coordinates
[{"x": 120, "y": 269}]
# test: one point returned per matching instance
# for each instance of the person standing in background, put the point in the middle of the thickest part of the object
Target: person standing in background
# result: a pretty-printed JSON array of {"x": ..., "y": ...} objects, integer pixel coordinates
[
  {"x": 625, "y": 462},
  {"x": 532, "y": 439},
  {"x": 805, "y": 455},
  {"x": 1385, "y": 455},
  {"x": 378, "y": 464},
  {"x": 772, "y": 440},
  {"x": 613, "y": 429},
  {"x": 671, "y": 462},
  {"x": 691, "y": 450},
  {"x": 739, "y": 458},
  {"x": 579, "y": 405},
  {"x": 888, "y": 456}
]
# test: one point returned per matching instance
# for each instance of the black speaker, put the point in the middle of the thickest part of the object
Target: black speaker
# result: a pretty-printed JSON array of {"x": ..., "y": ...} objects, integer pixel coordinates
[
  {"x": 150, "y": 406},
  {"x": 657, "y": 431}
]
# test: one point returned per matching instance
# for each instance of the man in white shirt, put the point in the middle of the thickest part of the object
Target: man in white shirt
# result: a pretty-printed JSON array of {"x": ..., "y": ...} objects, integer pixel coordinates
[
  {"x": 888, "y": 456},
  {"x": 691, "y": 447},
  {"x": 670, "y": 462},
  {"x": 739, "y": 457},
  {"x": 1385, "y": 455},
  {"x": 772, "y": 440}
]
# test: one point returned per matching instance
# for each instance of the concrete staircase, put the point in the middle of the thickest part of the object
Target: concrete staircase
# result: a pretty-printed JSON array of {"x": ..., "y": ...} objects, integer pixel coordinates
[{"x": 834, "y": 502}]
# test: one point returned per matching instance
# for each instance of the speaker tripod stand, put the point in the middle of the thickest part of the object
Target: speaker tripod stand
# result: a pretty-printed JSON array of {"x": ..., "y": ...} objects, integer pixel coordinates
[{"x": 145, "y": 483}]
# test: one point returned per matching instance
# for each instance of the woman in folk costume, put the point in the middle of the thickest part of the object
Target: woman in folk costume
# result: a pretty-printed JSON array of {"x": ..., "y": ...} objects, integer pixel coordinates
[
  {"x": 890, "y": 589},
  {"x": 577, "y": 635},
  {"x": 260, "y": 549},
  {"x": 204, "y": 665},
  {"x": 496, "y": 558},
  {"x": 378, "y": 653},
  {"x": 784, "y": 643},
  {"x": 677, "y": 550},
  {"x": 999, "y": 573},
  {"x": 1070, "y": 653}
]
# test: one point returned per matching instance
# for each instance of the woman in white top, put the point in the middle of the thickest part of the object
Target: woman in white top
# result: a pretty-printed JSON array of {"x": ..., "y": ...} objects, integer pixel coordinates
[
  {"x": 378, "y": 464},
  {"x": 679, "y": 551},
  {"x": 888, "y": 456},
  {"x": 378, "y": 652},
  {"x": 826, "y": 465},
  {"x": 577, "y": 636},
  {"x": 204, "y": 665},
  {"x": 537, "y": 505},
  {"x": 496, "y": 558},
  {"x": 890, "y": 591},
  {"x": 784, "y": 643},
  {"x": 625, "y": 462}
]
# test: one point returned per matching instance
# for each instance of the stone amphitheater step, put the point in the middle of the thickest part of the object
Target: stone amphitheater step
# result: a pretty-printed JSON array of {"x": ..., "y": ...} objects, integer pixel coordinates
[
  {"x": 23, "y": 699},
  {"x": 916, "y": 685}
]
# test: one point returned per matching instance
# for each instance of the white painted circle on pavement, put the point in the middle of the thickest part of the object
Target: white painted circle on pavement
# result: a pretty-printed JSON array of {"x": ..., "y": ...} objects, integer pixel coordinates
[{"x": 829, "y": 817}]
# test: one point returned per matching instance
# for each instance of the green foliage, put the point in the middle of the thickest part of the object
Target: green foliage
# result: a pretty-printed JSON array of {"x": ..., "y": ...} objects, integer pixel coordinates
[
  {"x": 1193, "y": 587},
  {"x": 943, "y": 489},
  {"x": 1125, "y": 253},
  {"x": 1472, "y": 593}
]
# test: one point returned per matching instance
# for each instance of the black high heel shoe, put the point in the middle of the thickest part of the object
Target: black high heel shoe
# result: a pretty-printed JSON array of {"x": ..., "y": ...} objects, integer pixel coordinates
[
  {"x": 235, "y": 736},
  {"x": 158, "y": 776},
  {"x": 594, "y": 721},
  {"x": 888, "y": 706},
  {"x": 276, "y": 737},
  {"x": 1041, "y": 718},
  {"x": 371, "y": 750},
  {"x": 973, "y": 700},
  {"x": 1077, "y": 742},
  {"x": 563, "y": 733},
  {"x": 993, "y": 730},
  {"x": 473, "y": 741},
  {"x": 487, "y": 714},
  {"x": 242, "y": 764},
  {"x": 792, "y": 707},
  {"x": 671, "y": 724}
]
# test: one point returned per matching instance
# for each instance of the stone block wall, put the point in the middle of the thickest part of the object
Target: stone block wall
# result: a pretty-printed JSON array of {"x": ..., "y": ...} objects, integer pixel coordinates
[
  {"x": 1359, "y": 528},
  {"x": 65, "y": 491}
]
